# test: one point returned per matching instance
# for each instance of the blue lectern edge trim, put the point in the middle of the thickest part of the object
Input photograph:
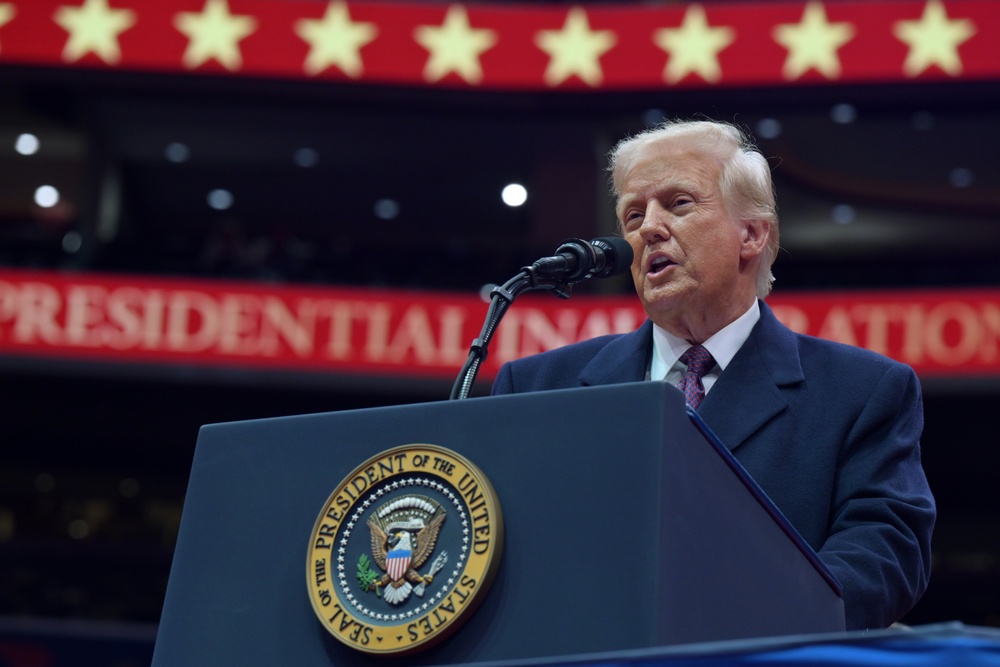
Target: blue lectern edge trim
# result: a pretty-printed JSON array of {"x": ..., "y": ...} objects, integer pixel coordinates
[
  {"x": 765, "y": 502},
  {"x": 953, "y": 631}
]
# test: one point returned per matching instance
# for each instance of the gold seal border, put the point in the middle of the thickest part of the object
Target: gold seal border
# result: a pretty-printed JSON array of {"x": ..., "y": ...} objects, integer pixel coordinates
[{"x": 482, "y": 562}]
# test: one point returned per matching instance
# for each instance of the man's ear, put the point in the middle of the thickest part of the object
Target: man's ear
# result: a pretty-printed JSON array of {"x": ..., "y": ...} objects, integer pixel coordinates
[{"x": 755, "y": 234}]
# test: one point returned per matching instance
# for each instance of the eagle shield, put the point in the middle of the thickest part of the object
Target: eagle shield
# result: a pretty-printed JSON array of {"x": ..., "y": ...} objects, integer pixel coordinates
[{"x": 397, "y": 561}]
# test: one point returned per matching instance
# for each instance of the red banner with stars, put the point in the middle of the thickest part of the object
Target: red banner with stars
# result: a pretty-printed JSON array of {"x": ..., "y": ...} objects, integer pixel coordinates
[{"x": 514, "y": 47}]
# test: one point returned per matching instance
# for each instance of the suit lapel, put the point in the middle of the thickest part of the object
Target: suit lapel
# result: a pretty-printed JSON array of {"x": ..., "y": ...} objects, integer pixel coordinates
[
  {"x": 748, "y": 394},
  {"x": 745, "y": 397},
  {"x": 624, "y": 359}
]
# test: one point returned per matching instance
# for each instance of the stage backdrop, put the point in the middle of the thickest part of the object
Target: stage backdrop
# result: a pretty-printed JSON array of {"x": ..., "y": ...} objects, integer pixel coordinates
[{"x": 312, "y": 329}]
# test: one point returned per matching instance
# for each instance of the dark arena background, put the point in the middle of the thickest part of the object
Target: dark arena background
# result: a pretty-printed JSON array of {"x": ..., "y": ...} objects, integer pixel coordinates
[{"x": 218, "y": 210}]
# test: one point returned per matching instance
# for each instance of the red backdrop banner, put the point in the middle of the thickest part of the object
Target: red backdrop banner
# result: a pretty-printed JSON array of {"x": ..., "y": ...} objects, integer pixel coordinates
[{"x": 425, "y": 334}]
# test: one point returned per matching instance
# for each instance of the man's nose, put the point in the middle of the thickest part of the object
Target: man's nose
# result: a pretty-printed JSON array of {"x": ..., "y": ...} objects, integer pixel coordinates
[{"x": 655, "y": 223}]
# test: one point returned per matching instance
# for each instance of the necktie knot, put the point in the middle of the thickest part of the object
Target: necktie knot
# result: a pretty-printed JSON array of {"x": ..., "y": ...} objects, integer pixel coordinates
[{"x": 698, "y": 361}]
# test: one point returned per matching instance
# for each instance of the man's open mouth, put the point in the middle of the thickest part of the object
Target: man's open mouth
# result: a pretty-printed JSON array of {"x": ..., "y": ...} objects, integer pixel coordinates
[{"x": 660, "y": 263}]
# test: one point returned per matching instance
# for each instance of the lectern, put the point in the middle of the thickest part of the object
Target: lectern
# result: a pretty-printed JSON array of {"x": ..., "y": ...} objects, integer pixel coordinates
[{"x": 627, "y": 525}]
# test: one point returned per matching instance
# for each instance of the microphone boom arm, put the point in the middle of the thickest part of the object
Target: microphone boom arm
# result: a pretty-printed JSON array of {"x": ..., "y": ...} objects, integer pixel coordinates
[
  {"x": 575, "y": 260},
  {"x": 500, "y": 299}
]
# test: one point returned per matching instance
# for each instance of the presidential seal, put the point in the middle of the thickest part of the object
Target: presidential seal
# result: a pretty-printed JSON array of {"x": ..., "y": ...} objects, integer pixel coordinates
[{"x": 404, "y": 550}]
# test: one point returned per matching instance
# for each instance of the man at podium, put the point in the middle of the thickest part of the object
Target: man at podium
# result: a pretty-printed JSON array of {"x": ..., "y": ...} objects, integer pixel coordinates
[{"x": 829, "y": 431}]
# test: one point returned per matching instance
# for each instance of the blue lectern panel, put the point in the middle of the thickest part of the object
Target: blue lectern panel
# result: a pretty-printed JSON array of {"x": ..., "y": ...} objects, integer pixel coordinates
[{"x": 603, "y": 550}]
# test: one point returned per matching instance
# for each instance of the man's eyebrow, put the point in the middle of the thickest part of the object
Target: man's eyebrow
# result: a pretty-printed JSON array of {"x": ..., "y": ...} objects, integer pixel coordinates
[{"x": 623, "y": 202}]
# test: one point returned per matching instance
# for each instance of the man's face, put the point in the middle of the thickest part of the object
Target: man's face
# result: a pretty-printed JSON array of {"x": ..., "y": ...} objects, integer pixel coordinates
[{"x": 687, "y": 246}]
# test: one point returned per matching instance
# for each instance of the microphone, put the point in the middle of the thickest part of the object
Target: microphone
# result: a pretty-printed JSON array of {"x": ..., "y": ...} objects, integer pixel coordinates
[{"x": 577, "y": 259}]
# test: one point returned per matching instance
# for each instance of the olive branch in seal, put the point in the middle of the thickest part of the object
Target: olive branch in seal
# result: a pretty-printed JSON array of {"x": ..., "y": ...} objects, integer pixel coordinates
[{"x": 366, "y": 575}]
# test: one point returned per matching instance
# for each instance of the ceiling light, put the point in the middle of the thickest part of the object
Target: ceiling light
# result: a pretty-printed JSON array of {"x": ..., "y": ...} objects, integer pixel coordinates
[
  {"x": 177, "y": 152},
  {"x": 514, "y": 194},
  {"x": 960, "y": 177},
  {"x": 843, "y": 113},
  {"x": 26, "y": 144},
  {"x": 653, "y": 117},
  {"x": 386, "y": 209},
  {"x": 220, "y": 199},
  {"x": 305, "y": 157},
  {"x": 843, "y": 214},
  {"x": 46, "y": 196},
  {"x": 769, "y": 128},
  {"x": 72, "y": 242}
]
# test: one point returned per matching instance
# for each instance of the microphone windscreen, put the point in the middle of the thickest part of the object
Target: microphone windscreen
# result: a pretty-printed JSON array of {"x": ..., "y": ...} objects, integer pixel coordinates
[{"x": 618, "y": 253}]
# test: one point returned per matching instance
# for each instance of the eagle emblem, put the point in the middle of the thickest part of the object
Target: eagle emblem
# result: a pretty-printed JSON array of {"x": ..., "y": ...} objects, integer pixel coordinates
[
  {"x": 404, "y": 532},
  {"x": 398, "y": 557}
]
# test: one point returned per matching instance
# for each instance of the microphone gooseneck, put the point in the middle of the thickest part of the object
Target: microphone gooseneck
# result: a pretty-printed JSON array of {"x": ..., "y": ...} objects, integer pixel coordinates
[{"x": 575, "y": 260}]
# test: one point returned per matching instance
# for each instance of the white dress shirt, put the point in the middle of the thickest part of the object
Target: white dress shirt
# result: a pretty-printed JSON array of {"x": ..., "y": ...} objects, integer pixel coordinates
[{"x": 723, "y": 345}]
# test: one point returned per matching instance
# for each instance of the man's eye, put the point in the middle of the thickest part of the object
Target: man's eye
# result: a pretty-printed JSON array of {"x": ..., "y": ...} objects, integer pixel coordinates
[{"x": 632, "y": 218}]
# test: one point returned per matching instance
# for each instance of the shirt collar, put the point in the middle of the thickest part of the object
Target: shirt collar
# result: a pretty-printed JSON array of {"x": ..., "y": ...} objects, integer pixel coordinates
[{"x": 723, "y": 345}]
